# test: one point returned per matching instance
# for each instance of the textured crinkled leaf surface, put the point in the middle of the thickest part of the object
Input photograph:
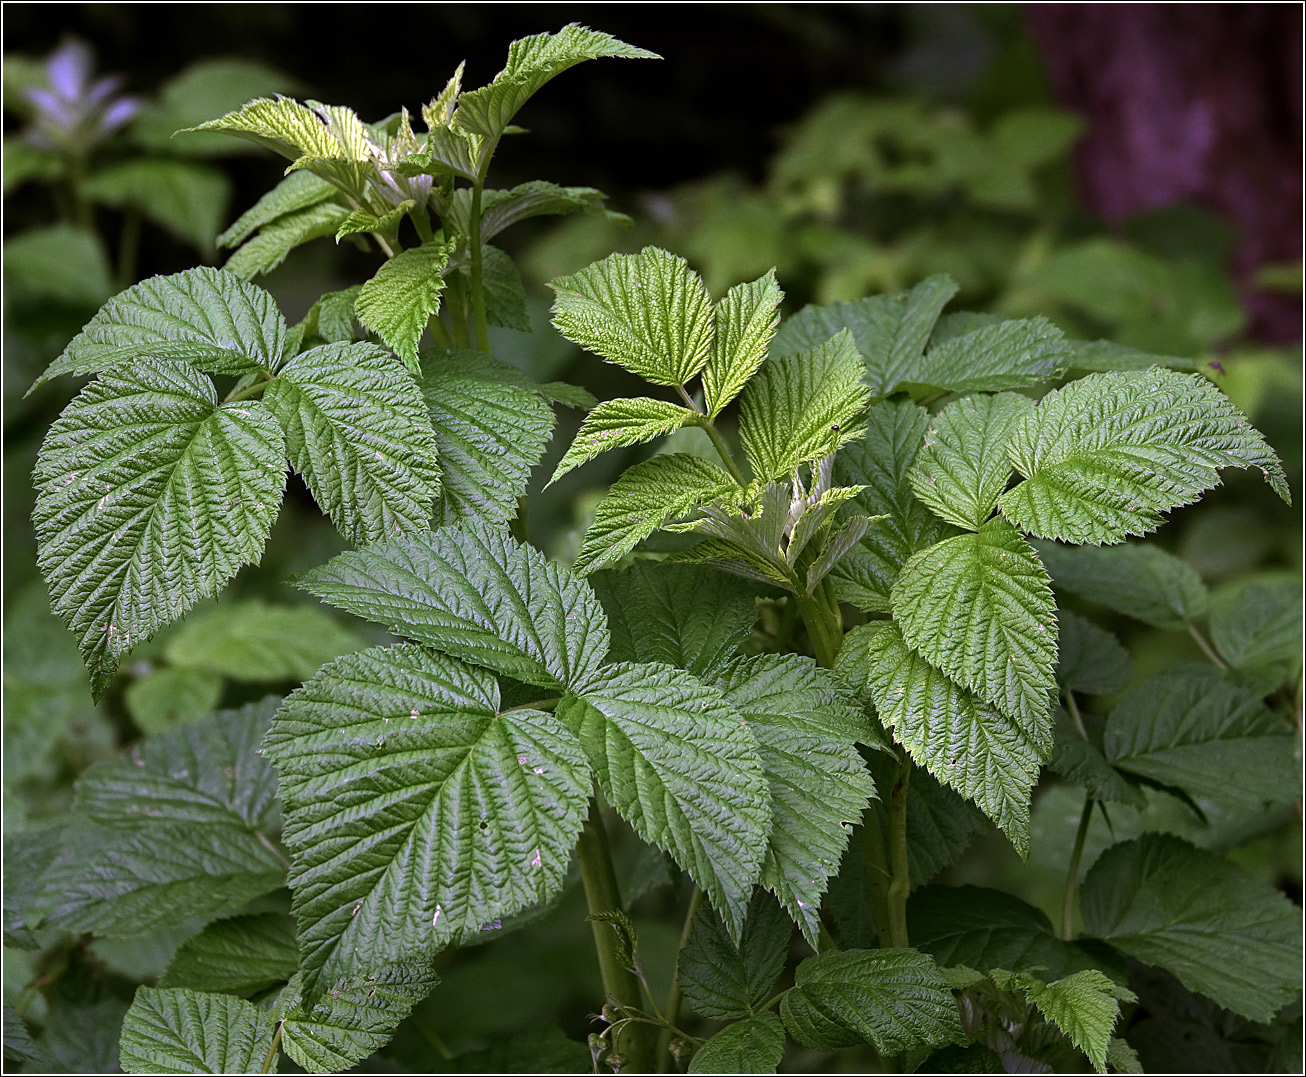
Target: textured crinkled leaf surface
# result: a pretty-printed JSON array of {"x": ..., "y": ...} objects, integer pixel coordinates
[
  {"x": 475, "y": 593},
  {"x": 264, "y": 252},
  {"x": 1141, "y": 581},
  {"x": 1084, "y": 1005},
  {"x": 415, "y": 811},
  {"x": 240, "y": 955},
  {"x": 753, "y": 1045},
  {"x": 297, "y": 191},
  {"x": 1004, "y": 355},
  {"x": 172, "y": 1030},
  {"x": 206, "y": 318},
  {"x": 724, "y": 980},
  {"x": 681, "y": 766},
  {"x": 980, "y": 608},
  {"x": 1259, "y": 620},
  {"x": 358, "y": 431},
  {"x": 612, "y": 424},
  {"x": 745, "y": 322},
  {"x": 502, "y": 209},
  {"x": 402, "y": 296},
  {"x": 281, "y": 124},
  {"x": 1090, "y": 659},
  {"x": 1103, "y": 457},
  {"x": 150, "y": 496}
]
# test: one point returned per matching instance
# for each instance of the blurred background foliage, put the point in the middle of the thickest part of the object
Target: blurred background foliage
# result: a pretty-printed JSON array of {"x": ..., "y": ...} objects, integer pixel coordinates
[{"x": 857, "y": 148}]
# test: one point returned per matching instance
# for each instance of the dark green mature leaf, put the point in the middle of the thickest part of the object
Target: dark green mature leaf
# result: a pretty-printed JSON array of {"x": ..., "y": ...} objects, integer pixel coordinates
[
  {"x": 753, "y": 1045},
  {"x": 980, "y": 608},
  {"x": 1221, "y": 932},
  {"x": 353, "y": 1019},
  {"x": 402, "y": 295},
  {"x": 18, "y": 1045},
  {"x": 1259, "y": 621},
  {"x": 1105, "y": 456},
  {"x": 613, "y": 424},
  {"x": 1090, "y": 658},
  {"x": 1084, "y": 1005},
  {"x": 800, "y": 408},
  {"x": 894, "y": 999},
  {"x": 297, "y": 191},
  {"x": 1191, "y": 728},
  {"x": 267, "y": 250},
  {"x": 1141, "y": 581},
  {"x": 1080, "y": 760},
  {"x": 204, "y": 317},
  {"x": 881, "y": 462},
  {"x": 172, "y": 1030},
  {"x": 477, "y": 594},
  {"x": 359, "y": 433},
  {"x": 166, "y": 698},
  {"x": 242, "y": 955},
  {"x": 686, "y": 616},
  {"x": 1006, "y": 355},
  {"x": 490, "y": 433},
  {"x": 647, "y": 312},
  {"x": 186, "y": 198},
  {"x": 501, "y": 284},
  {"x": 724, "y": 980},
  {"x": 982, "y": 753},
  {"x": 60, "y": 262},
  {"x": 963, "y": 466},
  {"x": 544, "y": 1049},
  {"x": 745, "y": 322},
  {"x": 1105, "y": 355},
  {"x": 807, "y": 727},
  {"x": 647, "y": 496},
  {"x": 681, "y": 766},
  {"x": 890, "y": 330},
  {"x": 415, "y": 810},
  {"x": 149, "y": 497}
]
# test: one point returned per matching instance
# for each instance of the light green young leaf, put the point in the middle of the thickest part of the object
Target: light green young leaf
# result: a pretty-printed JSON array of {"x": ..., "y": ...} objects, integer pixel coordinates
[
  {"x": 241, "y": 955},
  {"x": 647, "y": 312},
  {"x": 1007, "y": 355},
  {"x": 402, "y": 295},
  {"x": 390, "y": 862},
  {"x": 1141, "y": 581},
  {"x": 1223, "y": 933},
  {"x": 332, "y": 317},
  {"x": 358, "y": 431},
  {"x": 961, "y": 740},
  {"x": 502, "y": 209},
  {"x": 753, "y": 1045},
  {"x": 252, "y": 640},
  {"x": 1090, "y": 658},
  {"x": 807, "y": 727},
  {"x": 505, "y": 295},
  {"x": 299, "y": 190},
  {"x": 726, "y": 980},
  {"x": 491, "y": 429},
  {"x": 150, "y": 496},
  {"x": 477, "y": 594},
  {"x": 166, "y": 698},
  {"x": 647, "y": 496},
  {"x": 188, "y": 199},
  {"x": 364, "y": 220},
  {"x": 800, "y": 408},
  {"x": 963, "y": 466},
  {"x": 203, "y": 317},
  {"x": 1193, "y": 729},
  {"x": 894, "y": 999},
  {"x": 746, "y": 320},
  {"x": 612, "y": 424},
  {"x": 980, "y": 608},
  {"x": 890, "y": 330},
  {"x": 1103, "y": 457},
  {"x": 706, "y": 802},
  {"x": 172, "y": 1030},
  {"x": 281, "y": 124},
  {"x": 267, "y": 250},
  {"x": 1084, "y": 1005},
  {"x": 1259, "y": 620}
]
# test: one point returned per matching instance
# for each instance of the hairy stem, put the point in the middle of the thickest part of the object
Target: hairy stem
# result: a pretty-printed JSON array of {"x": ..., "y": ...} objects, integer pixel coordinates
[
  {"x": 823, "y": 628},
  {"x": 900, "y": 882},
  {"x": 674, "y": 998},
  {"x": 1072, "y": 872},
  {"x": 272, "y": 1050},
  {"x": 1206, "y": 647}
]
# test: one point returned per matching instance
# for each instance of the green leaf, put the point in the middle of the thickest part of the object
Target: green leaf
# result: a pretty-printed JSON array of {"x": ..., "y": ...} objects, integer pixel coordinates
[
  {"x": 1006, "y": 355},
  {"x": 150, "y": 496},
  {"x": 1103, "y": 457},
  {"x": 807, "y": 727},
  {"x": 475, "y": 593},
  {"x": 364, "y": 220},
  {"x": 1091, "y": 659},
  {"x": 402, "y": 296},
  {"x": 280, "y": 124},
  {"x": 60, "y": 263},
  {"x": 252, "y": 640},
  {"x": 502, "y": 209},
  {"x": 685, "y": 616},
  {"x": 963, "y": 466},
  {"x": 356, "y": 1017},
  {"x": 167, "y": 698},
  {"x": 1221, "y": 932},
  {"x": 647, "y": 312},
  {"x": 18, "y": 1045},
  {"x": 1093, "y": 356},
  {"x": 961, "y": 740},
  {"x": 501, "y": 284},
  {"x": 543, "y": 1049},
  {"x": 172, "y": 1030},
  {"x": 894, "y": 999},
  {"x": 680, "y": 765},
  {"x": 1141, "y": 581},
  {"x": 980, "y": 608},
  {"x": 390, "y": 860},
  {"x": 242, "y": 955},
  {"x": 490, "y": 432},
  {"x": 1192, "y": 729},
  {"x": 746, "y": 320},
  {"x": 1258, "y": 620},
  {"x": 753, "y": 1045},
  {"x": 267, "y": 250},
  {"x": 24, "y": 162},
  {"x": 188, "y": 199},
  {"x": 724, "y": 980},
  {"x": 203, "y": 317},
  {"x": 1084, "y": 1005},
  {"x": 881, "y": 462},
  {"x": 890, "y": 330},
  {"x": 647, "y": 496},
  {"x": 1078, "y": 759},
  {"x": 613, "y": 424},
  {"x": 358, "y": 431},
  {"x": 332, "y": 318},
  {"x": 1122, "y": 1058},
  {"x": 800, "y": 408}
]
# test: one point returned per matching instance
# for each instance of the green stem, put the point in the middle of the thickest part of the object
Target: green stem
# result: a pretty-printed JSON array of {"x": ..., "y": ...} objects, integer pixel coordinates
[
  {"x": 877, "y": 870},
  {"x": 1072, "y": 873},
  {"x": 1075, "y": 716},
  {"x": 457, "y": 311},
  {"x": 900, "y": 883},
  {"x": 824, "y": 630},
  {"x": 272, "y": 1051},
  {"x": 478, "y": 287},
  {"x": 250, "y": 390},
  {"x": 535, "y": 705},
  {"x": 431, "y": 1037},
  {"x": 1207, "y": 649},
  {"x": 620, "y": 984},
  {"x": 723, "y": 450},
  {"x": 674, "y": 997},
  {"x": 128, "y": 248},
  {"x": 422, "y": 223}
]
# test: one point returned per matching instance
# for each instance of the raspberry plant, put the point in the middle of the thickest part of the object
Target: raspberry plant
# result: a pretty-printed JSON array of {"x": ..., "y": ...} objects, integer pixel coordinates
[{"x": 836, "y": 612}]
